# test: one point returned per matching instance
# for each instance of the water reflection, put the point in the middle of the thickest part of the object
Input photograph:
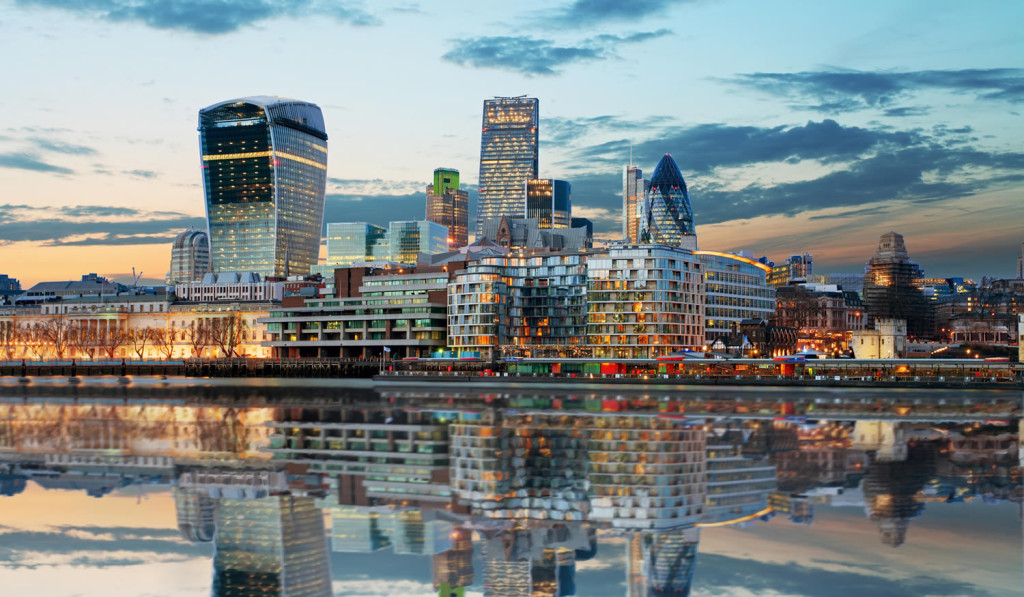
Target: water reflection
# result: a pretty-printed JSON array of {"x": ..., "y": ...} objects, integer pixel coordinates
[{"x": 504, "y": 493}]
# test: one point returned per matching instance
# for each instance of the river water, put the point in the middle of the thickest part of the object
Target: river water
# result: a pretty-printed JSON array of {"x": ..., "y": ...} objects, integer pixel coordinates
[{"x": 183, "y": 487}]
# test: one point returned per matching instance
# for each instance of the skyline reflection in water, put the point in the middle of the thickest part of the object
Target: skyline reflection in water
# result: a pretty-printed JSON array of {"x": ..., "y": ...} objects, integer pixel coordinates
[{"x": 276, "y": 489}]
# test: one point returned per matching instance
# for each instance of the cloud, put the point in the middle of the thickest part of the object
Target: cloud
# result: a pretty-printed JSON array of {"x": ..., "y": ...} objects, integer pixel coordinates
[
  {"x": 91, "y": 225},
  {"x": 592, "y": 12},
  {"x": 543, "y": 57},
  {"x": 60, "y": 146},
  {"x": 559, "y": 130},
  {"x": 31, "y": 162},
  {"x": 207, "y": 17},
  {"x": 140, "y": 173},
  {"x": 834, "y": 91}
]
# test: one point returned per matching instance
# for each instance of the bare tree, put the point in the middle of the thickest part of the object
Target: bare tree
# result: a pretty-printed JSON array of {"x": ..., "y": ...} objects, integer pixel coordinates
[
  {"x": 111, "y": 340},
  {"x": 198, "y": 336},
  {"x": 139, "y": 337},
  {"x": 10, "y": 336},
  {"x": 163, "y": 340},
  {"x": 227, "y": 333},
  {"x": 84, "y": 339},
  {"x": 56, "y": 332},
  {"x": 36, "y": 340}
]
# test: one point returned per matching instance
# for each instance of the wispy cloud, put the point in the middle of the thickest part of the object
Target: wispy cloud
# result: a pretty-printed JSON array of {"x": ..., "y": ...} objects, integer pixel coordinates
[
  {"x": 593, "y": 12},
  {"x": 32, "y": 162},
  {"x": 835, "y": 91},
  {"x": 91, "y": 225},
  {"x": 544, "y": 57},
  {"x": 207, "y": 17}
]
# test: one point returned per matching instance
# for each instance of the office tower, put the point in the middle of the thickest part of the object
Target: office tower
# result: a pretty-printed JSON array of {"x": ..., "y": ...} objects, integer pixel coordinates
[
  {"x": 453, "y": 569},
  {"x": 889, "y": 288},
  {"x": 409, "y": 239},
  {"x": 271, "y": 546},
  {"x": 666, "y": 217},
  {"x": 796, "y": 268},
  {"x": 550, "y": 201},
  {"x": 264, "y": 173},
  {"x": 449, "y": 206},
  {"x": 190, "y": 256},
  {"x": 356, "y": 242},
  {"x": 632, "y": 198},
  {"x": 508, "y": 156},
  {"x": 735, "y": 289}
]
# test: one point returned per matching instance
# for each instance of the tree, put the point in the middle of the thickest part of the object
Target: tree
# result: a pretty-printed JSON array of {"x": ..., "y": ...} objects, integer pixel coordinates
[
  {"x": 83, "y": 339},
  {"x": 227, "y": 333},
  {"x": 139, "y": 337},
  {"x": 198, "y": 336},
  {"x": 111, "y": 340},
  {"x": 56, "y": 332},
  {"x": 10, "y": 336},
  {"x": 36, "y": 340},
  {"x": 163, "y": 340}
]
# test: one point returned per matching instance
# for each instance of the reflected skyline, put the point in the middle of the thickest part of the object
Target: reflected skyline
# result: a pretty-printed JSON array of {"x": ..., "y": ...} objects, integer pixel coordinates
[{"x": 491, "y": 499}]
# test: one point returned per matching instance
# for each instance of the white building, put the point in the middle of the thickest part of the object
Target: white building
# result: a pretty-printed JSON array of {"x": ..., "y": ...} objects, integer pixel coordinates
[
  {"x": 230, "y": 286},
  {"x": 887, "y": 341}
]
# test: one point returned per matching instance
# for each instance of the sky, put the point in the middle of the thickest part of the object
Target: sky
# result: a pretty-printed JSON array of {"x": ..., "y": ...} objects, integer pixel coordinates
[
  {"x": 56, "y": 543},
  {"x": 799, "y": 126}
]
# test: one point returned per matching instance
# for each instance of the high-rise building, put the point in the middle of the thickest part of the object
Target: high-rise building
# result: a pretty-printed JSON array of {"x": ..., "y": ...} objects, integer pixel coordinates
[
  {"x": 666, "y": 216},
  {"x": 890, "y": 290},
  {"x": 356, "y": 242},
  {"x": 1020, "y": 263},
  {"x": 448, "y": 206},
  {"x": 409, "y": 239},
  {"x": 632, "y": 200},
  {"x": 508, "y": 156},
  {"x": 190, "y": 256},
  {"x": 550, "y": 201},
  {"x": 264, "y": 165},
  {"x": 796, "y": 268},
  {"x": 9, "y": 286}
]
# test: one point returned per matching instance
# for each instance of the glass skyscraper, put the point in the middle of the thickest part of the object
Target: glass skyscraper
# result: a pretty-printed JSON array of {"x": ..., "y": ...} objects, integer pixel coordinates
[
  {"x": 408, "y": 239},
  {"x": 667, "y": 217},
  {"x": 550, "y": 201},
  {"x": 264, "y": 163},
  {"x": 449, "y": 206},
  {"x": 632, "y": 198},
  {"x": 508, "y": 156}
]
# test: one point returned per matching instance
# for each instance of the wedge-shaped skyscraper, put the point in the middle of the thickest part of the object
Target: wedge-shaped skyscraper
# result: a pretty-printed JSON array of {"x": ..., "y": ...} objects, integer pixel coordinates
[
  {"x": 508, "y": 156},
  {"x": 667, "y": 218},
  {"x": 264, "y": 173}
]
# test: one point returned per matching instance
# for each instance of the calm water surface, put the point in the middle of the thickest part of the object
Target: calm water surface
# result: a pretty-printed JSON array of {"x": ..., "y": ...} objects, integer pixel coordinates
[{"x": 184, "y": 487}]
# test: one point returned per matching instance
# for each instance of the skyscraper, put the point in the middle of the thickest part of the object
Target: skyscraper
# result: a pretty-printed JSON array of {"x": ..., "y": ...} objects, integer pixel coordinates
[
  {"x": 409, "y": 239},
  {"x": 449, "y": 206},
  {"x": 550, "y": 201},
  {"x": 264, "y": 173},
  {"x": 889, "y": 290},
  {"x": 190, "y": 256},
  {"x": 666, "y": 218},
  {"x": 508, "y": 156},
  {"x": 354, "y": 242},
  {"x": 632, "y": 198}
]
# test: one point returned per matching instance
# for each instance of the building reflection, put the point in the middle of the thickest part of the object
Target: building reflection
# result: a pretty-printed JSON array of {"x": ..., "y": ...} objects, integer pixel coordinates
[{"x": 530, "y": 491}]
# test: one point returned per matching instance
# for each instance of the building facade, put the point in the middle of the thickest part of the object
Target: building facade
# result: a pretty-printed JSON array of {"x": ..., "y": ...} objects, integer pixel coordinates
[
  {"x": 508, "y": 156},
  {"x": 448, "y": 206},
  {"x": 890, "y": 290},
  {"x": 410, "y": 238},
  {"x": 644, "y": 301},
  {"x": 190, "y": 256},
  {"x": 667, "y": 218},
  {"x": 550, "y": 201},
  {"x": 230, "y": 286},
  {"x": 796, "y": 267},
  {"x": 264, "y": 164},
  {"x": 632, "y": 202},
  {"x": 356, "y": 242},
  {"x": 736, "y": 289}
]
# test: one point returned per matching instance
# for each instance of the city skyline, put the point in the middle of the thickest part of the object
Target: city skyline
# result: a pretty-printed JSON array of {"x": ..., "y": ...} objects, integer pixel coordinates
[{"x": 857, "y": 121}]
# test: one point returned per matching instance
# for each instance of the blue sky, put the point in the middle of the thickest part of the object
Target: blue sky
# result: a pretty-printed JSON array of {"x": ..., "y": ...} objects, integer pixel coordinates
[{"x": 799, "y": 126}]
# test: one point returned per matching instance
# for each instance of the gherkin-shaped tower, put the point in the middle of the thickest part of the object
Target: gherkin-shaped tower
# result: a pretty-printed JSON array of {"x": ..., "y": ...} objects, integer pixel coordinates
[{"x": 667, "y": 216}]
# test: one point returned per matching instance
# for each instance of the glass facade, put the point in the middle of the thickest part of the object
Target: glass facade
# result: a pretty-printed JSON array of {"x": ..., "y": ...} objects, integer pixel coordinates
[
  {"x": 667, "y": 217},
  {"x": 550, "y": 201},
  {"x": 632, "y": 199},
  {"x": 190, "y": 256},
  {"x": 408, "y": 239},
  {"x": 735, "y": 288},
  {"x": 264, "y": 162},
  {"x": 508, "y": 156},
  {"x": 449, "y": 206},
  {"x": 356, "y": 242}
]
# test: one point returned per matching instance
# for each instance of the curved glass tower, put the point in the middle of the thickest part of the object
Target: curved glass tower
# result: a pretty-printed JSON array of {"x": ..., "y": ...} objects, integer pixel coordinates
[
  {"x": 264, "y": 173},
  {"x": 667, "y": 216}
]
